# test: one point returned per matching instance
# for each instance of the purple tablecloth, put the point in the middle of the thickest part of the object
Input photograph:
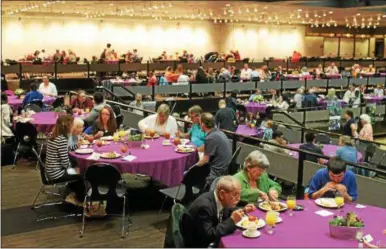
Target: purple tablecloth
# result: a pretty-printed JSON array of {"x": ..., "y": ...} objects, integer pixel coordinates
[
  {"x": 255, "y": 107},
  {"x": 333, "y": 76},
  {"x": 307, "y": 229},
  {"x": 247, "y": 131},
  {"x": 373, "y": 99},
  {"x": 328, "y": 150},
  {"x": 45, "y": 121},
  {"x": 160, "y": 162},
  {"x": 298, "y": 77},
  {"x": 15, "y": 103}
]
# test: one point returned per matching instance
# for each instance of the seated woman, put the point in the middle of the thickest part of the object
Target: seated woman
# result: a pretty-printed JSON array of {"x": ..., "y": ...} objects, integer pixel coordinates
[
  {"x": 58, "y": 167},
  {"x": 161, "y": 122},
  {"x": 81, "y": 102},
  {"x": 106, "y": 124},
  {"x": 76, "y": 131},
  {"x": 254, "y": 179},
  {"x": 256, "y": 97},
  {"x": 32, "y": 95},
  {"x": 284, "y": 103},
  {"x": 195, "y": 134},
  {"x": 379, "y": 92}
]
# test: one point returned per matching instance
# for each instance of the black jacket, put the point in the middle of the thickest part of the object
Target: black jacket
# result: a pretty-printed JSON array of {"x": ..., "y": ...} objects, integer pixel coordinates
[{"x": 200, "y": 225}]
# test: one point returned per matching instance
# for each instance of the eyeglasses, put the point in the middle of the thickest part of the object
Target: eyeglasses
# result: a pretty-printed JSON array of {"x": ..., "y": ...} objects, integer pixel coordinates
[{"x": 106, "y": 114}]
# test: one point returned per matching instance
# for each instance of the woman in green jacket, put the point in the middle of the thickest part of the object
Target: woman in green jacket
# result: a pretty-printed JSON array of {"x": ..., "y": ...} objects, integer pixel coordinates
[{"x": 254, "y": 179}]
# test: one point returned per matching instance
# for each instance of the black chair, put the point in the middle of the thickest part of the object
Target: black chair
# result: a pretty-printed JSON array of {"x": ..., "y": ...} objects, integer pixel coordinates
[
  {"x": 60, "y": 185},
  {"x": 233, "y": 167},
  {"x": 33, "y": 107},
  {"x": 118, "y": 114},
  {"x": 26, "y": 135},
  {"x": 370, "y": 152},
  {"x": 195, "y": 178},
  {"x": 58, "y": 102},
  {"x": 322, "y": 139},
  {"x": 103, "y": 182},
  {"x": 37, "y": 102}
]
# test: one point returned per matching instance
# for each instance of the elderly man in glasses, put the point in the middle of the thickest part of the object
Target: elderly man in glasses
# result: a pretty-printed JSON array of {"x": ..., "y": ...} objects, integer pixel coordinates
[
  {"x": 213, "y": 214},
  {"x": 254, "y": 180}
]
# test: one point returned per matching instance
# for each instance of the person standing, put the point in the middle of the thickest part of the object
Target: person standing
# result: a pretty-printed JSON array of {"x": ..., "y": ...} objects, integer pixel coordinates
[{"x": 225, "y": 117}]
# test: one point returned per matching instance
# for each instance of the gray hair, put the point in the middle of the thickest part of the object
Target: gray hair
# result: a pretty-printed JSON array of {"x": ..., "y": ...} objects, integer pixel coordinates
[
  {"x": 78, "y": 122},
  {"x": 81, "y": 93},
  {"x": 227, "y": 183},
  {"x": 256, "y": 159},
  {"x": 365, "y": 118}
]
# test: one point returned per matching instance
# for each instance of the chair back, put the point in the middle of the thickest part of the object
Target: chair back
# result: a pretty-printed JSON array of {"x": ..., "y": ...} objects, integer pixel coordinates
[
  {"x": 233, "y": 166},
  {"x": 173, "y": 236},
  {"x": 370, "y": 151},
  {"x": 118, "y": 114},
  {"x": 58, "y": 102},
  {"x": 101, "y": 181},
  {"x": 26, "y": 133},
  {"x": 322, "y": 139},
  {"x": 37, "y": 102},
  {"x": 42, "y": 170},
  {"x": 197, "y": 176}
]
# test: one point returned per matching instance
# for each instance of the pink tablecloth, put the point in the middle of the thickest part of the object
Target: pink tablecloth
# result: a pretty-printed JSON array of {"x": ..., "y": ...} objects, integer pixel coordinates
[
  {"x": 307, "y": 229},
  {"x": 45, "y": 121},
  {"x": 160, "y": 162},
  {"x": 247, "y": 131},
  {"x": 298, "y": 77},
  {"x": 15, "y": 103},
  {"x": 323, "y": 103},
  {"x": 328, "y": 150},
  {"x": 255, "y": 107},
  {"x": 373, "y": 99},
  {"x": 333, "y": 76}
]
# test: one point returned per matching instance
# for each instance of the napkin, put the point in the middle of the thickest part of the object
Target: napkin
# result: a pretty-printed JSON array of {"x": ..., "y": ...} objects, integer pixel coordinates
[
  {"x": 145, "y": 146},
  {"x": 94, "y": 156},
  {"x": 129, "y": 158},
  {"x": 71, "y": 171},
  {"x": 323, "y": 213},
  {"x": 360, "y": 206}
]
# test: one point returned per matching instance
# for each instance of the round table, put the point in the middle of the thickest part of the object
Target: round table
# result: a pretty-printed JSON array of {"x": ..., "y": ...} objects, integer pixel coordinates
[
  {"x": 248, "y": 131},
  {"x": 298, "y": 77},
  {"x": 373, "y": 99},
  {"x": 328, "y": 150},
  {"x": 307, "y": 229},
  {"x": 15, "y": 102},
  {"x": 333, "y": 76},
  {"x": 323, "y": 103},
  {"x": 160, "y": 162},
  {"x": 255, "y": 107}
]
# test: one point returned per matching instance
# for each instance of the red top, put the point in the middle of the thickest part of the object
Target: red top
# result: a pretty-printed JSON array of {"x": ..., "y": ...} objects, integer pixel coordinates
[
  {"x": 86, "y": 104},
  {"x": 152, "y": 81}
]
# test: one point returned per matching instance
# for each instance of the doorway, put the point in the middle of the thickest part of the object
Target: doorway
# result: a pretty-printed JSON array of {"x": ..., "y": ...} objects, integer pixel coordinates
[{"x": 379, "y": 48}]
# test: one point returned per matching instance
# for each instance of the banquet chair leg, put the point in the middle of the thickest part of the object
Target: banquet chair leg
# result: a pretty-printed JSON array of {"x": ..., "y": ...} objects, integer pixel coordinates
[
  {"x": 40, "y": 153},
  {"x": 123, "y": 218},
  {"x": 163, "y": 203},
  {"x": 37, "y": 196},
  {"x": 83, "y": 218},
  {"x": 16, "y": 154}
]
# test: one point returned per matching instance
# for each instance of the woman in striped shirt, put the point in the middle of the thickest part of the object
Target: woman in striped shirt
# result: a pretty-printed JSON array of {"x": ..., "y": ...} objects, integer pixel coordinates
[{"x": 57, "y": 160}]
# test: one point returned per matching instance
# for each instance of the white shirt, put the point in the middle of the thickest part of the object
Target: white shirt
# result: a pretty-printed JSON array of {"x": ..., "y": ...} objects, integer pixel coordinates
[
  {"x": 246, "y": 74},
  {"x": 218, "y": 205},
  {"x": 347, "y": 96},
  {"x": 150, "y": 121},
  {"x": 283, "y": 106},
  {"x": 379, "y": 92},
  {"x": 183, "y": 80},
  {"x": 332, "y": 70},
  {"x": 6, "y": 121},
  {"x": 50, "y": 90}
]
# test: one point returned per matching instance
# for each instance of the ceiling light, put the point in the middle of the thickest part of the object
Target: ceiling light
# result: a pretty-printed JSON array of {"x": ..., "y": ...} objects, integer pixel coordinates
[
  {"x": 111, "y": 4},
  {"x": 228, "y": 4},
  {"x": 335, "y": 25},
  {"x": 307, "y": 15},
  {"x": 247, "y": 10},
  {"x": 300, "y": 10},
  {"x": 255, "y": 9},
  {"x": 384, "y": 16},
  {"x": 358, "y": 14},
  {"x": 265, "y": 7},
  {"x": 330, "y": 12}
]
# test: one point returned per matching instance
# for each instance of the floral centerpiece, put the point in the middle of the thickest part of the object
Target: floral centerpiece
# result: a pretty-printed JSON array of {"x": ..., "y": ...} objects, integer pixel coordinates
[
  {"x": 349, "y": 227},
  {"x": 19, "y": 92},
  {"x": 135, "y": 138},
  {"x": 258, "y": 98}
]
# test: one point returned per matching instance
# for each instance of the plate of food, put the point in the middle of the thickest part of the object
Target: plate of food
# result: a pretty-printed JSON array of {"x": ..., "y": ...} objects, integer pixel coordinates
[
  {"x": 110, "y": 155},
  {"x": 185, "y": 149},
  {"x": 184, "y": 141},
  {"x": 84, "y": 142},
  {"x": 84, "y": 151},
  {"x": 166, "y": 143},
  {"x": 273, "y": 206},
  {"x": 246, "y": 220},
  {"x": 104, "y": 142},
  {"x": 149, "y": 137},
  {"x": 326, "y": 202},
  {"x": 107, "y": 138}
]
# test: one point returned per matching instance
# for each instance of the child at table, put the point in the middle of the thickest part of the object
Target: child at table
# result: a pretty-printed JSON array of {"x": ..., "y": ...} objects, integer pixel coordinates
[{"x": 32, "y": 95}]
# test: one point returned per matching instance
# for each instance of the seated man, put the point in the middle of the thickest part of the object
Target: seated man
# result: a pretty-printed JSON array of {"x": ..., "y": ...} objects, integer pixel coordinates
[
  {"x": 32, "y": 95},
  {"x": 254, "y": 179},
  {"x": 81, "y": 102},
  {"x": 99, "y": 103},
  {"x": 334, "y": 178},
  {"x": 277, "y": 138},
  {"x": 212, "y": 215},
  {"x": 312, "y": 147}
]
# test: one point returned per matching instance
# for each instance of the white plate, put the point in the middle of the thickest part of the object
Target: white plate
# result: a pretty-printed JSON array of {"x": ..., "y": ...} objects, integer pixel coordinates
[
  {"x": 326, "y": 202},
  {"x": 283, "y": 209},
  {"x": 179, "y": 151},
  {"x": 245, "y": 220},
  {"x": 107, "y": 138},
  {"x": 104, "y": 155},
  {"x": 184, "y": 141},
  {"x": 166, "y": 143},
  {"x": 256, "y": 235},
  {"x": 149, "y": 137},
  {"x": 84, "y": 151},
  {"x": 279, "y": 220}
]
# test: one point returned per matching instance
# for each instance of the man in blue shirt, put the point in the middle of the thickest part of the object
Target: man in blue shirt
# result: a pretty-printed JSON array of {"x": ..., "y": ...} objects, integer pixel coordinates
[
  {"x": 32, "y": 95},
  {"x": 347, "y": 152},
  {"x": 196, "y": 135},
  {"x": 327, "y": 181}
]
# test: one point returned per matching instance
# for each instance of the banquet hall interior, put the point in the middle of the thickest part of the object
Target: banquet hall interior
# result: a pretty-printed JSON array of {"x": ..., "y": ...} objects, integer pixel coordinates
[{"x": 193, "y": 123}]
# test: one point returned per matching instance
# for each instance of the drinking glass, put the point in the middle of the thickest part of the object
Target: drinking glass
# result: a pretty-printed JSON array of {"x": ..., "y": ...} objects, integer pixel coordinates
[
  {"x": 152, "y": 134},
  {"x": 339, "y": 200},
  {"x": 116, "y": 137},
  {"x": 270, "y": 219},
  {"x": 291, "y": 203}
]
